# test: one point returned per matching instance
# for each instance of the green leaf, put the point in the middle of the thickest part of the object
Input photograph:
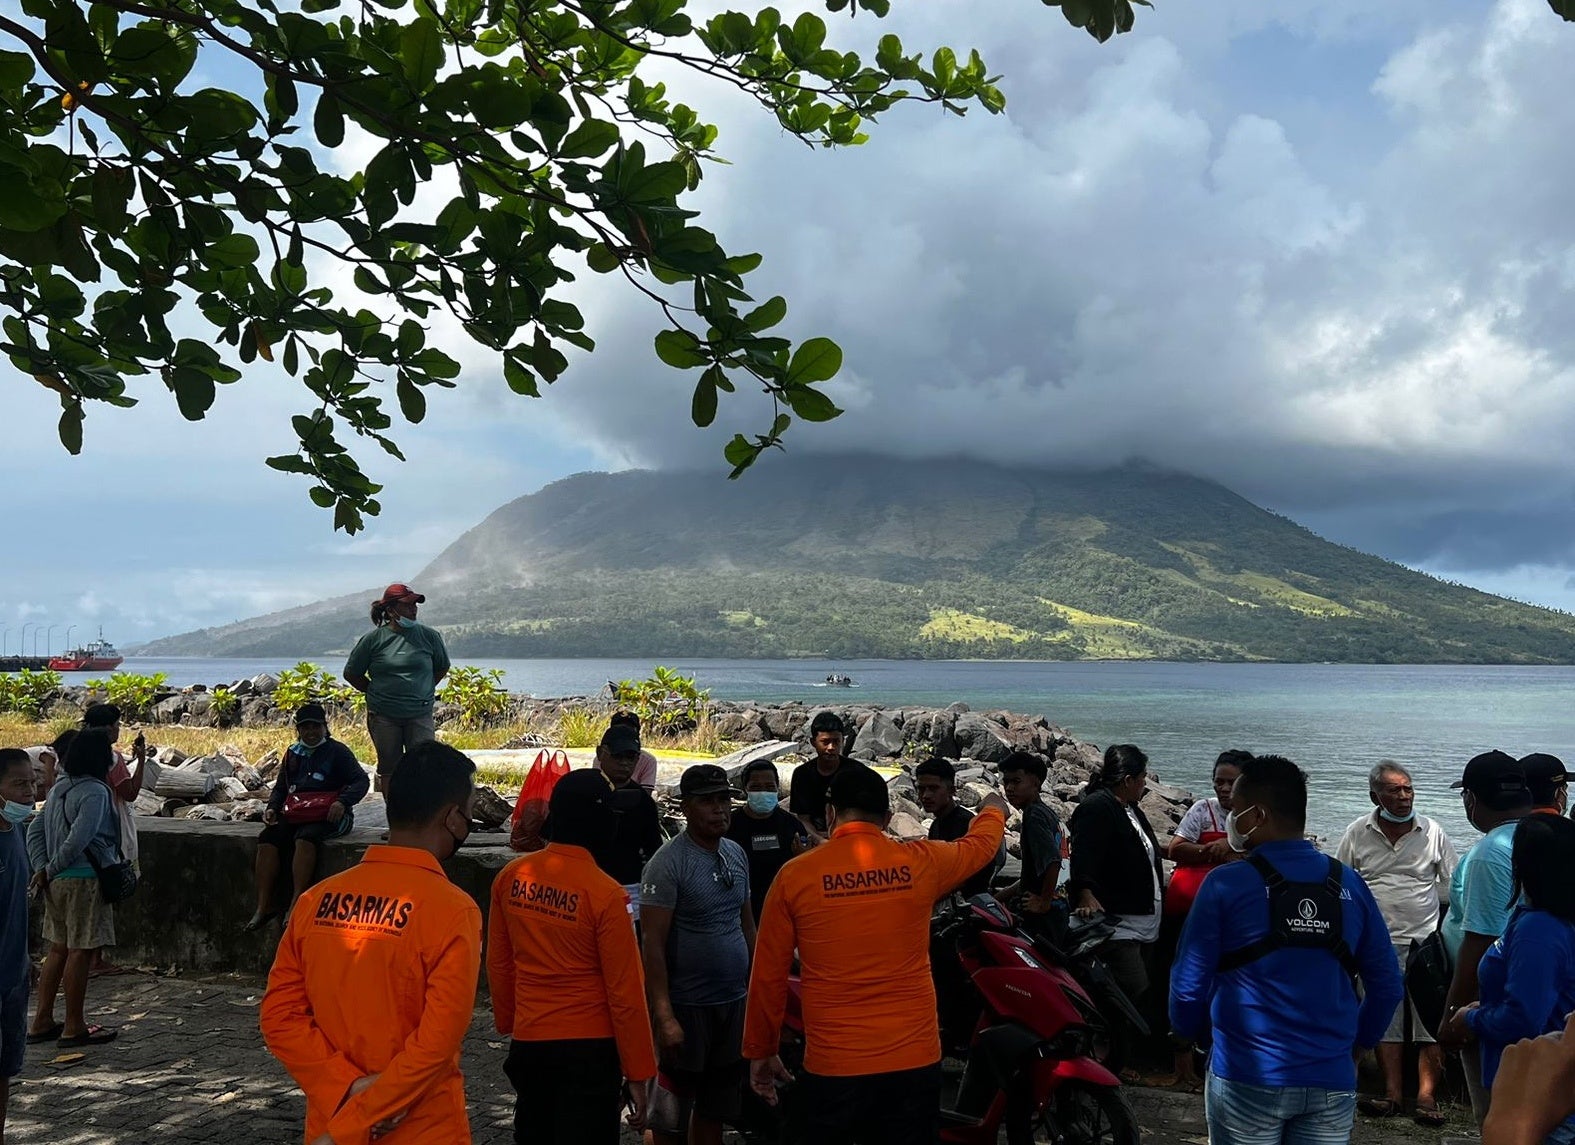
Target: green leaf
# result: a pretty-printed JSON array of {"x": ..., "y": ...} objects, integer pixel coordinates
[
  {"x": 194, "y": 392},
  {"x": 702, "y": 409},
  {"x": 739, "y": 452},
  {"x": 321, "y": 496},
  {"x": 680, "y": 349},
  {"x": 601, "y": 258},
  {"x": 237, "y": 250},
  {"x": 70, "y": 428},
  {"x": 412, "y": 402},
  {"x": 817, "y": 360},
  {"x": 520, "y": 379},
  {"x": 590, "y": 139},
  {"x": 421, "y": 52},
  {"x": 16, "y": 68},
  {"x": 767, "y": 314},
  {"x": 328, "y": 121},
  {"x": 811, "y": 405}
]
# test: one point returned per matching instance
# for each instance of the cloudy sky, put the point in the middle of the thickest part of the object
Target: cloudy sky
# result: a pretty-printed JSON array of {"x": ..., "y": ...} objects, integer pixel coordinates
[{"x": 1319, "y": 251}]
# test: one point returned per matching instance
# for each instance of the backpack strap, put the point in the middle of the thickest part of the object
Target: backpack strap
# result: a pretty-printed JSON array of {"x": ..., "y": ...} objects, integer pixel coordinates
[
  {"x": 1342, "y": 949},
  {"x": 1270, "y": 942}
]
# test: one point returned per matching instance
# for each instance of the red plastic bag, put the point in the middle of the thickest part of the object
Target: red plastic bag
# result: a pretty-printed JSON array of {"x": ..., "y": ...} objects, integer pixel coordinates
[{"x": 530, "y": 809}]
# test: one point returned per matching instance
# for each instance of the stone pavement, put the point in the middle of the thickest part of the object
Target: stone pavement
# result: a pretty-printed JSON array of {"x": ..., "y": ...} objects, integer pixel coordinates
[{"x": 189, "y": 1068}]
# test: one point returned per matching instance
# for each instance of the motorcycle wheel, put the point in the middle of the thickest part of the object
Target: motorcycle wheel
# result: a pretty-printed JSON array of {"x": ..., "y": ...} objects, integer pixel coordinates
[{"x": 1083, "y": 1114}]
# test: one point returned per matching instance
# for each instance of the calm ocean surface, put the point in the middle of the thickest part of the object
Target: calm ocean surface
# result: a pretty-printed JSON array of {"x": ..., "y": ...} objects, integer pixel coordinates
[{"x": 1335, "y": 720}]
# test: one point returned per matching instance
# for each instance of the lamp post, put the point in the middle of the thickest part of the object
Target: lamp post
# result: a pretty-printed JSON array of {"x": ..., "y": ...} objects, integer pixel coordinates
[
  {"x": 49, "y": 639},
  {"x": 4, "y": 631},
  {"x": 21, "y": 644},
  {"x": 69, "y": 627}
]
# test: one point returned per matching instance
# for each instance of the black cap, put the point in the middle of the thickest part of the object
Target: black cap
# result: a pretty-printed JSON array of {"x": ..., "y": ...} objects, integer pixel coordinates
[
  {"x": 1544, "y": 773},
  {"x": 100, "y": 715},
  {"x": 858, "y": 788},
  {"x": 578, "y": 812},
  {"x": 621, "y": 739},
  {"x": 1497, "y": 778},
  {"x": 311, "y": 714},
  {"x": 705, "y": 779}
]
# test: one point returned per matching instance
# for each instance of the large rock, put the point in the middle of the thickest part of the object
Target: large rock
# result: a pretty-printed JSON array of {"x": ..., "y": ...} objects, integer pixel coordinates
[
  {"x": 940, "y": 733},
  {"x": 785, "y": 723},
  {"x": 880, "y": 736},
  {"x": 905, "y": 826},
  {"x": 169, "y": 710},
  {"x": 981, "y": 738},
  {"x": 263, "y": 683},
  {"x": 740, "y": 727}
]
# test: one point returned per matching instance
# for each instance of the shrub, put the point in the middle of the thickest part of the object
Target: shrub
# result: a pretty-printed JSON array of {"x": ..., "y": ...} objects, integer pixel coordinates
[
  {"x": 226, "y": 704},
  {"x": 581, "y": 727},
  {"x": 666, "y": 702},
  {"x": 26, "y": 692},
  {"x": 478, "y": 693},
  {"x": 133, "y": 694},
  {"x": 303, "y": 684}
]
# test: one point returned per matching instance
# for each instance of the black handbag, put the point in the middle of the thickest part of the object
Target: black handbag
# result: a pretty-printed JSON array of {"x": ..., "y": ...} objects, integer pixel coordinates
[
  {"x": 1428, "y": 972},
  {"x": 117, "y": 882}
]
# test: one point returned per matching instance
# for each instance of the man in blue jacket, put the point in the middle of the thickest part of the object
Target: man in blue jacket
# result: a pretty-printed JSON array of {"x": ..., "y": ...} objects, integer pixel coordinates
[{"x": 1270, "y": 958}]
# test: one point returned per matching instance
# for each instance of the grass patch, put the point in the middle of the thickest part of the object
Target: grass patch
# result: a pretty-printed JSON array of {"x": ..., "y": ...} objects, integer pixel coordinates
[{"x": 950, "y": 624}]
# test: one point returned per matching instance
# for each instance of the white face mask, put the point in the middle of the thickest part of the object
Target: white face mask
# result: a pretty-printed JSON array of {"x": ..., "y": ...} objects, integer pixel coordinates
[{"x": 1234, "y": 835}]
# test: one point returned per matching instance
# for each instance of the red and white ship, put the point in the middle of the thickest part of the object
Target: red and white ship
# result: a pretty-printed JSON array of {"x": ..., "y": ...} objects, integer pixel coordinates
[{"x": 96, "y": 656}]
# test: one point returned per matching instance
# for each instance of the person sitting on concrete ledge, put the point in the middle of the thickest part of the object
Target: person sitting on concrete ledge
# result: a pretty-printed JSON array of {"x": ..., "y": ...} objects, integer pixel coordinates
[
  {"x": 319, "y": 781},
  {"x": 374, "y": 984}
]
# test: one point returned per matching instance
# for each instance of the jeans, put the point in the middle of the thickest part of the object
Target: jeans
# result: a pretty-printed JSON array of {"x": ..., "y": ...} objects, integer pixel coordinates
[
  {"x": 899, "y": 1108},
  {"x": 1241, "y": 1114},
  {"x": 567, "y": 1091}
]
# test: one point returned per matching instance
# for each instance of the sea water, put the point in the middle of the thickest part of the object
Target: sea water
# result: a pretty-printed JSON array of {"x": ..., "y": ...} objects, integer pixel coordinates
[{"x": 1336, "y": 720}]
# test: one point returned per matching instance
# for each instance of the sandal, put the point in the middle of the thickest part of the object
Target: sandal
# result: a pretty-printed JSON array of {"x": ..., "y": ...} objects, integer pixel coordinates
[
  {"x": 1378, "y": 1107},
  {"x": 259, "y": 920},
  {"x": 92, "y": 1036},
  {"x": 48, "y": 1035},
  {"x": 1429, "y": 1117}
]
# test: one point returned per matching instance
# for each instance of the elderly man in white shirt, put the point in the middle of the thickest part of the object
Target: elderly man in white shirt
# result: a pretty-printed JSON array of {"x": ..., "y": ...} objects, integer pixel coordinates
[{"x": 1406, "y": 860}]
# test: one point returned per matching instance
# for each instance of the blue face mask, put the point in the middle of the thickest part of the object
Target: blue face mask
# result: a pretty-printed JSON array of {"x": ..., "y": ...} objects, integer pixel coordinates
[
  {"x": 16, "y": 813},
  {"x": 300, "y": 748},
  {"x": 763, "y": 802},
  {"x": 403, "y": 621},
  {"x": 1390, "y": 817}
]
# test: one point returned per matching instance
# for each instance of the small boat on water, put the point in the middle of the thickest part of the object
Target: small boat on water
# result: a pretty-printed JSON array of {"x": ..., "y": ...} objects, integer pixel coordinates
[
  {"x": 95, "y": 656},
  {"x": 838, "y": 681}
]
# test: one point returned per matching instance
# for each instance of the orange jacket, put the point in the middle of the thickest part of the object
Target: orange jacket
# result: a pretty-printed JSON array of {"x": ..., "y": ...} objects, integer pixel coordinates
[
  {"x": 561, "y": 957},
  {"x": 857, "y": 908},
  {"x": 377, "y": 973}
]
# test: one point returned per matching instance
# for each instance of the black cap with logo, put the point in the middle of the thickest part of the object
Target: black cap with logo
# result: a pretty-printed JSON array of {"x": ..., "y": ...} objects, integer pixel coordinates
[
  {"x": 705, "y": 779},
  {"x": 1496, "y": 778}
]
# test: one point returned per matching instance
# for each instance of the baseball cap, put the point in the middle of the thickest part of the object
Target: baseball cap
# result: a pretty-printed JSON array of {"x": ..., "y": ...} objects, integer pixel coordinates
[
  {"x": 1497, "y": 777},
  {"x": 311, "y": 714},
  {"x": 1543, "y": 772},
  {"x": 858, "y": 788},
  {"x": 404, "y": 592},
  {"x": 705, "y": 779},
  {"x": 621, "y": 739}
]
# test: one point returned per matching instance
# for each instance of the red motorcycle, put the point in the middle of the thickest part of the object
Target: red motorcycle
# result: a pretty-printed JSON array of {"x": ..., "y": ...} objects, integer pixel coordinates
[{"x": 1027, "y": 1030}]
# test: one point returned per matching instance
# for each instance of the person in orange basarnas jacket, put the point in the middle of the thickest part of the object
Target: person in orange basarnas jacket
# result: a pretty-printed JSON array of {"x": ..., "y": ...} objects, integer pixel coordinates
[
  {"x": 374, "y": 982},
  {"x": 566, "y": 980},
  {"x": 857, "y": 909}
]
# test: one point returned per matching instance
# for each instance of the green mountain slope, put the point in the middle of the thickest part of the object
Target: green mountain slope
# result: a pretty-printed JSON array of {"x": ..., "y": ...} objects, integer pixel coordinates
[{"x": 869, "y": 557}]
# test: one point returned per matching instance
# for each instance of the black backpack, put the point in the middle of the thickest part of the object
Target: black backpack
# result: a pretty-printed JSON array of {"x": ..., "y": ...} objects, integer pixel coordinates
[{"x": 1302, "y": 916}]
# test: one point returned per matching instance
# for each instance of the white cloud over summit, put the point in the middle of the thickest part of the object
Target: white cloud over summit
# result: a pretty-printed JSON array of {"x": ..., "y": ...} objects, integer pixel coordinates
[{"x": 1321, "y": 252}]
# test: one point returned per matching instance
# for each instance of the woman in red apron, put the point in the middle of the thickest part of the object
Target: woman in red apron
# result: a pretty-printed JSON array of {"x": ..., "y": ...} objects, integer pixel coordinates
[{"x": 1196, "y": 847}]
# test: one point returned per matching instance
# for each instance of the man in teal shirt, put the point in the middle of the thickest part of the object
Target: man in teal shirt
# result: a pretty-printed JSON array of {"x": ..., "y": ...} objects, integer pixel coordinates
[
  {"x": 399, "y": 665},
  {"x": 1496, "y": 798}
]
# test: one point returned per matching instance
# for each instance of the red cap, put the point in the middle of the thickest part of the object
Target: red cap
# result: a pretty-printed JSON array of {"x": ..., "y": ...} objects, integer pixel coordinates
[{"x": 402, "y": 592}]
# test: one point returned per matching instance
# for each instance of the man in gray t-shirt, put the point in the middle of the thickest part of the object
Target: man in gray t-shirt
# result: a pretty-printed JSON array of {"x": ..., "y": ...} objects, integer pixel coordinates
[{"x": 698, "y": 937}]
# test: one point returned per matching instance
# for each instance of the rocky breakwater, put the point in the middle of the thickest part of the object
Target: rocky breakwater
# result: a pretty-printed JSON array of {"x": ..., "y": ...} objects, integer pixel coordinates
[{"x": 975, "y": 743}]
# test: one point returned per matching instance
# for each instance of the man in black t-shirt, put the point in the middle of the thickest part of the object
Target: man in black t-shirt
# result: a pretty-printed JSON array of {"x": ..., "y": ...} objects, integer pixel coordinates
[
  {"x": 811, "y": 782},
  {"x": 768, "y": 834},
  {"x": 936, "y": 782},
  {"x": 637, "y": 822}
]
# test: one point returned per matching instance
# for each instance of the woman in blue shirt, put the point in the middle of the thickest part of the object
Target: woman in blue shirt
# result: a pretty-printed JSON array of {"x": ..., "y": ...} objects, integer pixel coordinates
[{"x": 1528, "y": 976}]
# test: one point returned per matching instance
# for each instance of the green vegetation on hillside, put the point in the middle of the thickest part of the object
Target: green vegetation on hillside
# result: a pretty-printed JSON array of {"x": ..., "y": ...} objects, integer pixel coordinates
[{"x": 852, "y": 558}]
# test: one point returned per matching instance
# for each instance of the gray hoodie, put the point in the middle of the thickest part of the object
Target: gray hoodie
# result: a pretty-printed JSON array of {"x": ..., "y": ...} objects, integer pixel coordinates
[{"x": 78, "y": 820}]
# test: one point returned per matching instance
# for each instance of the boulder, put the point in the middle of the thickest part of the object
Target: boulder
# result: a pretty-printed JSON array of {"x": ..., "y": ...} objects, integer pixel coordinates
[
  {"x": 980, "y": 738},
  {"x": 490, "y": 809},
  {"x": 250, "y": 776},
  {"x": 972, "y": 793},
  {"x": 740, "y": 726},
  {"x": 171, "y": 757},
  {"x": 940, "y": 731},
  {"x": 786, "y": 723},
  {"x": 772, "y": 750},
  {"x": 169, "y": 710},
  {"x": 263, "y": 683},
  {"x": 880, "y": 736},
  {"x": 256, "y": 709},
  {"x": 218, "y": 765},
  {"x": 199, "y": 709},
  {"x": 241, "y": 688},
  {"x": 905, "y": 826},
  {"x": 901, "y": 805}
]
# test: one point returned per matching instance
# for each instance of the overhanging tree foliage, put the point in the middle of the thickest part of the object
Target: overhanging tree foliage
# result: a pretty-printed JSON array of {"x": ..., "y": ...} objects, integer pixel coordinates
[{"x": 135, "y": 197}]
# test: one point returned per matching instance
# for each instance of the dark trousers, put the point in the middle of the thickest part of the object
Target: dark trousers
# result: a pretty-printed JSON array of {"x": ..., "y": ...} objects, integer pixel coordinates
[
  {"x": 567, "y": 1091},
  {"x": 902, "y": 1108}
]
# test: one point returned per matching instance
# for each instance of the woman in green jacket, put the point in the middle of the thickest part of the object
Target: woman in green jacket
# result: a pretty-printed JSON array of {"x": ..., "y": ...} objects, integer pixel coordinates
[{"x": 398, "y": 665}]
